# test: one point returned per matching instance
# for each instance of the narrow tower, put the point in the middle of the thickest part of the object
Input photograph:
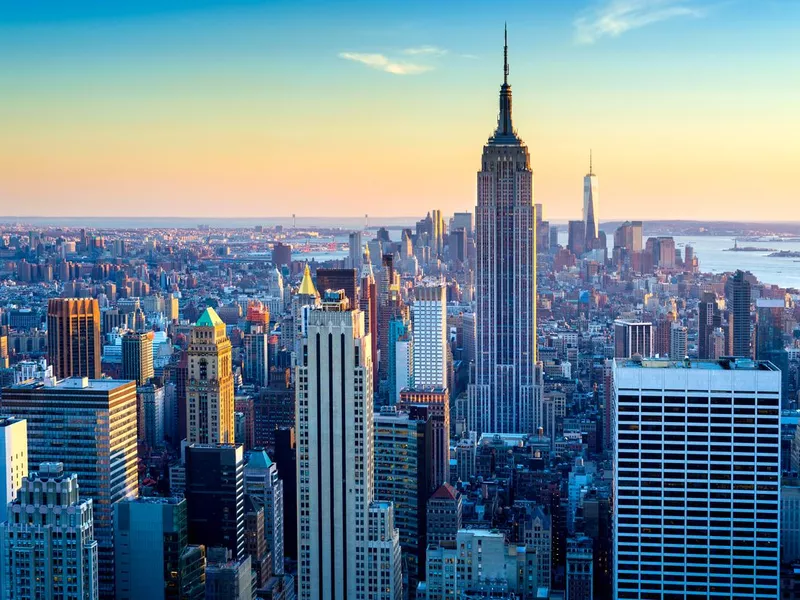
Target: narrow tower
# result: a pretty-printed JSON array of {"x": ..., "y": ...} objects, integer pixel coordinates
[
  {"x": 502, "y": 398},
  {"x": 590, "y": 208}
]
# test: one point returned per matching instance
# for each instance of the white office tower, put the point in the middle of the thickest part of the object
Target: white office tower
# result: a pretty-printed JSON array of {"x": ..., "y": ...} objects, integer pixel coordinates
[
  {"x": 261, "y": 481},
  {"x": 335, "y": 462},
  {"x": 430, "y": 336},
  {"x": 14, "y": 453},
  {"x": 48, "y": 545},
  {"x": 696, "y": 468},
  {"x": 384, "y": 568}
]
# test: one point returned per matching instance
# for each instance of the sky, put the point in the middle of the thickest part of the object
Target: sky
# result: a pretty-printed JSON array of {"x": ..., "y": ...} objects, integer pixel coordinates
[{"x": 272, "y": 108}]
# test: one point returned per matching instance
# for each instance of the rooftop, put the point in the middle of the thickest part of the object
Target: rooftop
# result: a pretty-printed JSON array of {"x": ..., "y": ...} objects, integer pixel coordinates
[
  {"x": 209, "y": 318},
  {"x": 723, "y": 364},
  {"x": 73, "y": 383}
]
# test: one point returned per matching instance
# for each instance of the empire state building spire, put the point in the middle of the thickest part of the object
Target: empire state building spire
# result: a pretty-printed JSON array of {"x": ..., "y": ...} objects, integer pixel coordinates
[{"x": 504, "y": 134}]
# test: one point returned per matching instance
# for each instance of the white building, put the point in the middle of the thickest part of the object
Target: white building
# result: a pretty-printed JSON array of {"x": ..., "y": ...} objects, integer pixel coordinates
[
  {"x": 14, "y": 452},
  {"x": 696, "y": 469},
  {"x": 430, "y": 336},
  {"x": 47, "y": 545},
  {"x": 384, "y": 579},
  {"x": 678, "y": 341},
  {"x": 335, "y": 465},
  {"x": 479, "y": 563}
]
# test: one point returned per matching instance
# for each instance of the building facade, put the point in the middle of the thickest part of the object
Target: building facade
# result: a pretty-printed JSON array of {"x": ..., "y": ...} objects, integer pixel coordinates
[
  {"x": 14, "y": 453},
  {"x": 36, "y": 561},
  {"x": 89, "y": 425},
  {"x": 209, "y": 386},
  {"x": 73, "y": 337},
  {"x": 696, "y": 468}
]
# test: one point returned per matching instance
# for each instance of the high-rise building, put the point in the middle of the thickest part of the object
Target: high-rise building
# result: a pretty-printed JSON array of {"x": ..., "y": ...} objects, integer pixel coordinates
[
  {"x": 632, "y": 337},
  {"x": 228, "y": 577},
  {"x": 73, "y": 337},
  {"x": 339, "y": 279},
  {"x": 737, "y": 300},
  {"x": 261, "y": 481},
  {"x": 502, "y": 398},
  {"x": 355, "y": 254},
  {"x": 591, "y": 199},
  {"x": 709, "y": 318},
  {"x": 429, "y": 332},
  {"x": 256, "y": 358},
  {"x": 47, "y": 545},
  {"x": 285, "y": 456},
  {"x": 14, "y": 453},
  {"x": 579, "y": 568},
  {"x": 209, "y": 388},
  {"x": 335, "y": 449},
  {"x": 334, "y": 398},
  {"x": 444, "y": 514},
  {"x": 402, "y": 464},
  {"x": 678, "y": 341},
  {"x": 89, "y": 425},
  {"x": 137, "y": 357},
  {"x": 153, "y": 557},
  {"x": 576, "y": 237},
  {"x": 437, "y": 401},
  {"x": 696, "y": 468},
  {"x": 384, "y": 573},
  {"x": 215, "y": 496}
]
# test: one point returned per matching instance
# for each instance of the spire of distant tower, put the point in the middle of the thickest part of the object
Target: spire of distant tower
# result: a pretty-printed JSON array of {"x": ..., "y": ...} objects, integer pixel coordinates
[
  {"x": 505, "y": 53},
  {"x": 590, "y": 162}
]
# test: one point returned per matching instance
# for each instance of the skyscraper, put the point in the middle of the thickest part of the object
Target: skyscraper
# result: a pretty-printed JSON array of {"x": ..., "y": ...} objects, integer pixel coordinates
[
  {"x": 14, "y": 454},
  {"x": 709, "y": 318},
  {"x": 137, "y": 357},
  {"x": 215, "y": 496},
  {"x": 402, "y": 465},
  {"x": 261, "y": 481},
  {"x": 335, "y": 449},
  {"x": 209, "y": 389},
  {"x": 429, "y": 333},
  {"x": 48, "y": 545},
  {"x": 334, "y": 398},
  {"x": 632, "y": 337},
  {"x": 591, "y": 199},
  {"x": 502, "y": 398},
  {"x": 89, "y": 425},
  {"x": 355, "y": 254},
  {"x": 339, "y": 279},
  {"x": 737, "y": 300},
  {"x": 696, "y": 468},
  {"x": 73, "y": 337},
  {"x": 153, "y": 557}
]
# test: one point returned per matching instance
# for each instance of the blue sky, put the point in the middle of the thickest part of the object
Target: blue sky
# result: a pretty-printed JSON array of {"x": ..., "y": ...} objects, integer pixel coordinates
[{"x": 110, "y": 107}]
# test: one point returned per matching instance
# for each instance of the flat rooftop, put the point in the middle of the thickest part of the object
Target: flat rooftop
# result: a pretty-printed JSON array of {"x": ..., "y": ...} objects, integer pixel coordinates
[
  {"x": 722, "y": 364},
  {"x": 72, "y": 383}
]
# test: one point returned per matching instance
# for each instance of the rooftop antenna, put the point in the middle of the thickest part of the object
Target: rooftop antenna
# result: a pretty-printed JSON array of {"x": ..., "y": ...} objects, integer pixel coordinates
[
  {"x": 590, "y": 162},
  {"x": 505, "y": 53}
]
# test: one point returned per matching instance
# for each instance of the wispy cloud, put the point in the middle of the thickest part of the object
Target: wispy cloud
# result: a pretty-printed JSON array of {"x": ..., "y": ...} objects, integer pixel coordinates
[
  {"x": 384, "y": 63},
  {"x": 425, "y": 50},
  {"x": 612, "y": 18}
]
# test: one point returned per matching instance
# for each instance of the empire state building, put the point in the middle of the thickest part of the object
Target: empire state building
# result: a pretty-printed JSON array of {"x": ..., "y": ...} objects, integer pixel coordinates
[{"x": 503, "y": 397}]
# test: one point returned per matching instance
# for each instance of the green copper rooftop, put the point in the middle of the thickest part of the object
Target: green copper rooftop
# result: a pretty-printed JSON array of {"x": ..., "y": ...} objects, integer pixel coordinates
[
  {"x": 259, "y": 460},
  {"x": 209, "y": 318}
]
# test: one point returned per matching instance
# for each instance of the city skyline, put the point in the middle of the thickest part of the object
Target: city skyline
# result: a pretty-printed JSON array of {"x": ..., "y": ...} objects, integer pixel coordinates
[{"x": 128, "y": 110}]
